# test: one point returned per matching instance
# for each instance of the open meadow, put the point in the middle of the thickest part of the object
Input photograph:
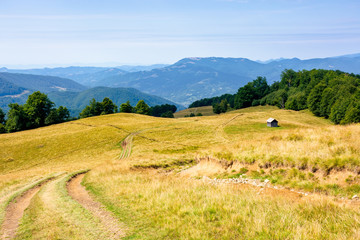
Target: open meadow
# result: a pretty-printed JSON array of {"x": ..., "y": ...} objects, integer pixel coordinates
[{"x": 227, "y": 176}]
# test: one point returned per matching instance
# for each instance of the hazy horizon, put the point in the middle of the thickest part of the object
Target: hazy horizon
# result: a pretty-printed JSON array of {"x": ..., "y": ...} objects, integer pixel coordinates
[{"x": 110, "y": 33}]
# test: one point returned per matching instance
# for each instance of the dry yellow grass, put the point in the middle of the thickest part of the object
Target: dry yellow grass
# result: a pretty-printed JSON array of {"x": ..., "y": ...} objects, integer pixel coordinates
[
  {"x": 205, "y": 111},
  {"x": 171, "y": 206}
]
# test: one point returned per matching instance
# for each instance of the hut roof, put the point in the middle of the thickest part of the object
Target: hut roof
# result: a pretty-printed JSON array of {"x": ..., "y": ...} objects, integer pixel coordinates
[{"x": 271, "y": 120}]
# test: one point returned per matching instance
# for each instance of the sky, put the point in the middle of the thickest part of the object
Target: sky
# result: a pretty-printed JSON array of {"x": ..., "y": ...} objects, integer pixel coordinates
[{"x": 49, "y": 33}]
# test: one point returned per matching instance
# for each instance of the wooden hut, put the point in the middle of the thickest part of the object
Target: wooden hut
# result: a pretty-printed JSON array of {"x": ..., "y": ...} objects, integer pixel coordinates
[{"x": 271, "y": 122}]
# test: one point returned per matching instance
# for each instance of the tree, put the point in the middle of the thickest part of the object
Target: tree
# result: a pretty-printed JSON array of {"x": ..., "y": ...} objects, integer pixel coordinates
[
  {"x": 2, "y": 121},
  {"x": 2, "y": 116},
  {"x": 352, "y": 115},
  {"x": 168, "y": 114},
  {"x": 211, "y": 101},
  {"x": 52, "y": 118},
  {"x": 277, "y": 98},
  {"x": 327, "y": 101},
  {"x": 288, "y": 77},
  {"x": 17, "y": 118},
  {"x": 57, "y": 115},
  {"x": 245, "y": 96},
  {"x": 2, "y": 128},
  {"x": 339, "y": 109},
  {"x": 142, "y": 108},
  {"x": 93, "y": 109},
  {"x": 86, "y": 112},
  {"x": 314, "y": 99},
  {"x": 223, "y": 105},
  {"x": 63, "y": 114},
  {"x": 126, "y": 107},
  {"x": 37, "y": 108},
  {"x": 158, "y": 110},
  {"x": 216, "y": 108},
  {"x": 296, "y": 101},
  {"x": 108, "y": 106},
  {"x": 261, "y": 88}
]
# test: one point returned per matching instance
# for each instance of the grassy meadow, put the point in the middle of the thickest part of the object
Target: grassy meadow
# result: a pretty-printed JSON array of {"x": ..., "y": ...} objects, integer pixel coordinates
[
  {"x": 159, "y": 192},
  {"x": 205, "y": 111}
]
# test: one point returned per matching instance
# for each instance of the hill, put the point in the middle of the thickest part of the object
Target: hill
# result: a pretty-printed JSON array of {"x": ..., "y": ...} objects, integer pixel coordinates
[
  {"x": 205, "y": 111},
  {"x": 16, "y": 87},
  {"x": 225, "y": 176},
  {"x": 89, "y": 76},
  {"x": 40, "y": 83},
  {"x": 63, "y": 72},
  {"x": 77, "y": 101},
  {"x": 182, "y": 82},
  {"x": 130, "y": 68},
  {"x": 8, "y": 88}
]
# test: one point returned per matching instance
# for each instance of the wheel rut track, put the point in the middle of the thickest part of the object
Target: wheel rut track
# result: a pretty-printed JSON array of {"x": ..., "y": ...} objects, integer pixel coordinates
[
  {"x": 220, "y": 128},
  {"x": 15, "y": 210},
  {"x": 80, "y": 194},
  {"x": 126, "y": 145}
]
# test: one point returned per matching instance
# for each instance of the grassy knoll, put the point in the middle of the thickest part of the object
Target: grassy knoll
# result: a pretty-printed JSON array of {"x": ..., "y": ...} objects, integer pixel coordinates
[
  {"x": 205, "y": 111},
  {"x": 158, "y": 192}
]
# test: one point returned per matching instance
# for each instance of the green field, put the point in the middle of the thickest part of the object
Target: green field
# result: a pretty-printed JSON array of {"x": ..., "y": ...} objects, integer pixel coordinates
[{"x": 165, "y": 189}]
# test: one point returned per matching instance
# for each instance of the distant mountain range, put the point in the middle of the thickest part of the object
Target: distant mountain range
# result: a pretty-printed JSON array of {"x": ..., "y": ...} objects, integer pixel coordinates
[
  {"x": 191, "y": 79},
  {"x": 89, "y": 76},
  {"x": 16, "y": 87}
]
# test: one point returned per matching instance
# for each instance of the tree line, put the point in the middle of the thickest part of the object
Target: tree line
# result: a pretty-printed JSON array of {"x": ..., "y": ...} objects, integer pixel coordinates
[
  {"x": 326, "y": 93},
  {"x": 39, "y": 111},
  {"x": 107, "y": 107}
]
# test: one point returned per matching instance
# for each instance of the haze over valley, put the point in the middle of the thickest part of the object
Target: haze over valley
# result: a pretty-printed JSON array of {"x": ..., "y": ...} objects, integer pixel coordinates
[{"x": 158, "y": 119}]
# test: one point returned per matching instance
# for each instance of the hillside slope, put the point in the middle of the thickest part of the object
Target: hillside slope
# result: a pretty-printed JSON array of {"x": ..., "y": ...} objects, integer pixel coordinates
[
  {"x": 171, "y": 169},
  {"x": 182, "y": 82},
  {"x": 16, "y": 87},
  {"x": 77, "y": 101},
  {"x": 41, "y": 83}
]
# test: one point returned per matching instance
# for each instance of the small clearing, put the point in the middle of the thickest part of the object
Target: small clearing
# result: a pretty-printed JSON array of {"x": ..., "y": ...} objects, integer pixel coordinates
[
  {"x": 79, "y": 193},
  {"x": 16, "y": 95}
]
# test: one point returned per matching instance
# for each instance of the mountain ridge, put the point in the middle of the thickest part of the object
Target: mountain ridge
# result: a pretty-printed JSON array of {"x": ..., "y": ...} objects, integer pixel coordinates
[{"x": 194, "y": 78}]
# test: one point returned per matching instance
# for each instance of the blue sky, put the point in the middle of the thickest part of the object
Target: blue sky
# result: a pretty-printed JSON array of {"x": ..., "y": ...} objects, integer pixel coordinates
[{"x": 109, "y": 33}]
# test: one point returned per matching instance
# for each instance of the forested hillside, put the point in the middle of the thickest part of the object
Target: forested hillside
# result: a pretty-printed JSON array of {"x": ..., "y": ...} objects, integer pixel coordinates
[
  {"x": 16, "y": 87},
  {"x": 76, "y": 101},
  {"x": 41, "y": 83},
  {"x": 326, "y": 93}
]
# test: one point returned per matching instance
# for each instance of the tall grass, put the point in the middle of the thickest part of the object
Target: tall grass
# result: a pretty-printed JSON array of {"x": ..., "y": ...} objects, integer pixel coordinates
[
  {"x": 168, "y": 207},
  {"x": 157, "y": 204}
]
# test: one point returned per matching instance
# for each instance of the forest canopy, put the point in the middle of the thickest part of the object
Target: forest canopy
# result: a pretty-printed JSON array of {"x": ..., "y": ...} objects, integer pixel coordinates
[{"x": 326, "y": 93}]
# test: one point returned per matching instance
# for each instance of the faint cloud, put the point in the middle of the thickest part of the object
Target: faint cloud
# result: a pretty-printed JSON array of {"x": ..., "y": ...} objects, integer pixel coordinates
[{"x": 235, "y": 1}]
